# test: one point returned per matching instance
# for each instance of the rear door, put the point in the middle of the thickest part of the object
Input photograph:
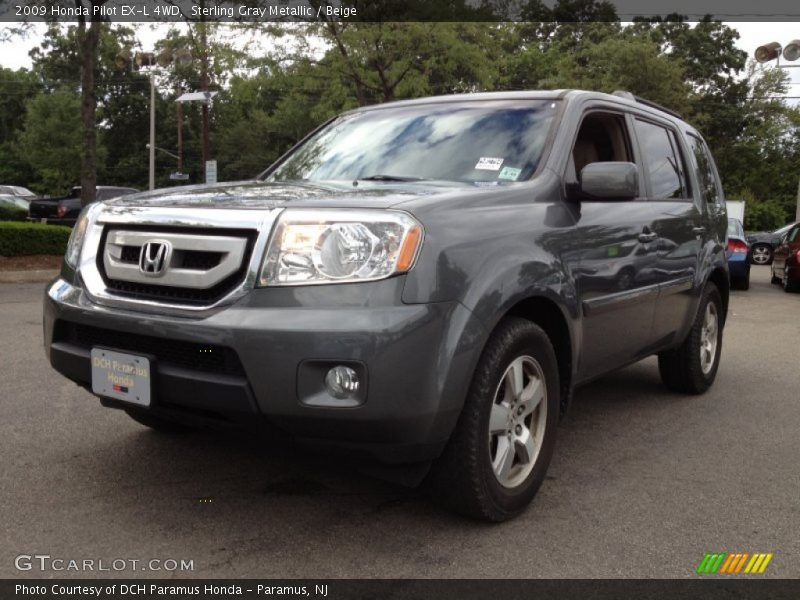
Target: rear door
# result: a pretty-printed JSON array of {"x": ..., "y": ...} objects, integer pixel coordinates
[{"x": 679, "y": 223}]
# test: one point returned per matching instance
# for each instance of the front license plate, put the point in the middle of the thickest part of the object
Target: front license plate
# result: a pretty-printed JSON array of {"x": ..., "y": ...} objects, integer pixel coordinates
[{"x": 121, "y": 376}]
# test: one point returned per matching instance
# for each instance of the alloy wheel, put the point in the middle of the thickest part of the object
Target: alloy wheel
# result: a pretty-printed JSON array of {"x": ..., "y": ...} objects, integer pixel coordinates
[
  {"x": 517, "y": 421},
  {"x": 761, "y": 255},
  {"x": 709, "y": 338}
]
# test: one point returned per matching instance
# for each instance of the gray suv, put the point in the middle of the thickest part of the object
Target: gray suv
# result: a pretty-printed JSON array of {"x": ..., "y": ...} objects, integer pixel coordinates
[{"x": 423, "y": 283}]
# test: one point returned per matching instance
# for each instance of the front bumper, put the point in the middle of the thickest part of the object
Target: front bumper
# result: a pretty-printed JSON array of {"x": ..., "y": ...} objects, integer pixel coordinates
[{"x": 416, "y": 360}]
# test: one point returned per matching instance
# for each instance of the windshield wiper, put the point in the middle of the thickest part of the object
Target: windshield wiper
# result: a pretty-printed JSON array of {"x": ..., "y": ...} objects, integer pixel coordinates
[{"x": 382, "y": 177}]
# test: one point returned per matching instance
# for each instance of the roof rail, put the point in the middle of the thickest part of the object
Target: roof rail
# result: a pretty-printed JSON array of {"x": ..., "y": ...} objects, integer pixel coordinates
[{"x": 628, "y": 96}]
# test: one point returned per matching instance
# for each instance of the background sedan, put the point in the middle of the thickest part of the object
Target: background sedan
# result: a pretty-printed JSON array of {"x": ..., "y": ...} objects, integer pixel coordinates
[
  {"x": 786, "y": 262},
  {"x": 762, "y": 244},
  {"x": 738, "y": 252}
]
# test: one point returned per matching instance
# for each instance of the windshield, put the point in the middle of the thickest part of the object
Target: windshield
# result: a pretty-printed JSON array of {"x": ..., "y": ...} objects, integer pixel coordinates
[{"x": 494, "y": 141}]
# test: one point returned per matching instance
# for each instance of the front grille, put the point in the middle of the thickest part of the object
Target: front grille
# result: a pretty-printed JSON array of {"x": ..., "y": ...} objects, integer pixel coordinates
[
  {"x": 188, "y": 355},
  {"x": 193, "y": 260}
]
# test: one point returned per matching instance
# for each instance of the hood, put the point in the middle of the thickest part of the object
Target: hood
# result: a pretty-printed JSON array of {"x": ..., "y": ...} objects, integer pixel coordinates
[{"x": 260, "y": 195}]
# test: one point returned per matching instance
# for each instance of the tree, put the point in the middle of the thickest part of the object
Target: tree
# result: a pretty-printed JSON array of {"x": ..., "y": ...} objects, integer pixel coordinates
[
  {"x": 51, "y": 139},
  {"x": 622, "y": 63}
]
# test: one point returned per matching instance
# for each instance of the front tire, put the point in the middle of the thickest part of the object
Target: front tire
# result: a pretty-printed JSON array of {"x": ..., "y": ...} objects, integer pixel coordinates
[
  {"x": 501, "y": 447},
  {"x": 692, "y": 367}
]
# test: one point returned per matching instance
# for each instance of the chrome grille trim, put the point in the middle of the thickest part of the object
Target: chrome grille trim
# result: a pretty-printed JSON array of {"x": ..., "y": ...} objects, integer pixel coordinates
[
  {"x": 259, "y": 221},
  {"x": 232, "y": 249}
]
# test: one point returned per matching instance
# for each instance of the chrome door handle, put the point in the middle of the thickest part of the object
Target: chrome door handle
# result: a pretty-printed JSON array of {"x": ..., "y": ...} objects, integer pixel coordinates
[{"x": 698, "y": 230}]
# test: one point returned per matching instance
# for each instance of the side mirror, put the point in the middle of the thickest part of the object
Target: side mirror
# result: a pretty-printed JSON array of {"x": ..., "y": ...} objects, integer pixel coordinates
[{"x": 610, "y": 180}]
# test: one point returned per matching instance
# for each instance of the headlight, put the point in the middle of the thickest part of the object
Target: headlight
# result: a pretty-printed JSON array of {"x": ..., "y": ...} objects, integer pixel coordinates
[
  {"x": 75, "y": 243},
  {"x": 337, "y": 246}
]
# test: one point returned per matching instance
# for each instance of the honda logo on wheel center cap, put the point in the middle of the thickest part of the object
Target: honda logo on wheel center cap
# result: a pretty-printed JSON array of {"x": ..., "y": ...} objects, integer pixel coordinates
[{"x": 154, "y": 257}]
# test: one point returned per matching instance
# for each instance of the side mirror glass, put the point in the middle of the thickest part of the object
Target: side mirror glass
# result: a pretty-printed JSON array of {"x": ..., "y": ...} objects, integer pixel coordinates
[{"x": 610, "y": 180}]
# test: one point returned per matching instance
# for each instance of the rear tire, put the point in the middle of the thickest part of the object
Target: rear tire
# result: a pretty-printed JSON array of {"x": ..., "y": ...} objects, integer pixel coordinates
[
  {"x": 501, "y": 447},
  {"x": 692, "y": 367},
  {"x": 743, "y": 283},
  {"x": 788, "y": 285},
  {"x": 158, "y": 424}
]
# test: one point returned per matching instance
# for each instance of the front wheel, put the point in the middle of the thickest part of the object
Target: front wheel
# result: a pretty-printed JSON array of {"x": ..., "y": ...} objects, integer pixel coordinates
[
  {"x": 502, "y": 444},
  {"x": 692, "y": 367}
]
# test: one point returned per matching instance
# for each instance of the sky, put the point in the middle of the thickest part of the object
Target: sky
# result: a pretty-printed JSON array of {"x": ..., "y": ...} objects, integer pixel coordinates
[{"x": 15, "y": 54}]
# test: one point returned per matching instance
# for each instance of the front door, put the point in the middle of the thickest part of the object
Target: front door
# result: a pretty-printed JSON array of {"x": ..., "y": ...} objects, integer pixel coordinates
[{"x": 613, "y": 254}]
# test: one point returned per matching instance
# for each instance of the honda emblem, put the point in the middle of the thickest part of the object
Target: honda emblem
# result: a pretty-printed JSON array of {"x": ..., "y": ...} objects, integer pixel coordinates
[{"x": 154, "y": 257}]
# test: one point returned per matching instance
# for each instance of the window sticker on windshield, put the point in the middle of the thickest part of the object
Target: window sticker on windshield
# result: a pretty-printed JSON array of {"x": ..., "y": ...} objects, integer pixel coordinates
[
  {"x": 509, "y": 173},
  {"x": 487, "y": 163}
]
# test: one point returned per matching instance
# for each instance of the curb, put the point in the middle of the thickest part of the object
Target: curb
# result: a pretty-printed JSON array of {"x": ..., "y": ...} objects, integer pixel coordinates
[{"x": 34, "y": 276}]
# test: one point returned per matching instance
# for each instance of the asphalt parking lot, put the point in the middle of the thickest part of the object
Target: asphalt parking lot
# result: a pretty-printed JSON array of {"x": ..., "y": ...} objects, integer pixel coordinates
[{"x": 643, "y": 483}]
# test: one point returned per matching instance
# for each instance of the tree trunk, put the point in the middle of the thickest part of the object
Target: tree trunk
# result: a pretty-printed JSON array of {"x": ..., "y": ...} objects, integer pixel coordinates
[{"x": 88, "y": 38}]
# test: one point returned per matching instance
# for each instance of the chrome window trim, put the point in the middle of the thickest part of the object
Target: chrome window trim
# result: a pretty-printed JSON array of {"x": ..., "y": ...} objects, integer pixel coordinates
[{"x": 260, "y": 221}]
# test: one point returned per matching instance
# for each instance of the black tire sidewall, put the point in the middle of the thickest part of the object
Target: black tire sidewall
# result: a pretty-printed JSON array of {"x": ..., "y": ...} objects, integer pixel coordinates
[
  {"x": 711, "y": 294},
  {"x": 533, "y": 342}
]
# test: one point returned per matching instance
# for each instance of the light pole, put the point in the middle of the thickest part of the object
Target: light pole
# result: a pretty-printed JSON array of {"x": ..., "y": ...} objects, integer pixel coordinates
[
  {"x": 152, "y": 143},
  {"x": 791, "y": 52},
  {"x": 151, "y": 62}
]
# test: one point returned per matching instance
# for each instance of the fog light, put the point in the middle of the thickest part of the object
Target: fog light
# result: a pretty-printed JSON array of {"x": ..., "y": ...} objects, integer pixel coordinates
[{"x": 342, "y": 382}]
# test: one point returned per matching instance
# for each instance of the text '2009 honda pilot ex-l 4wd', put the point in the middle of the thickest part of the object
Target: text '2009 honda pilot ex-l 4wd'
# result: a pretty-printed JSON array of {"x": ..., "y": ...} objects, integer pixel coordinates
[{"x": 424, "y": 282}]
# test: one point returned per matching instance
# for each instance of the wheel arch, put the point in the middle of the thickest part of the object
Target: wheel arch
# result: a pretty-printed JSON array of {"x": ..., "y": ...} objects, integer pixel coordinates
[
  {"x": 548, "y": 315},
  {"x": 721, "y": 279}
]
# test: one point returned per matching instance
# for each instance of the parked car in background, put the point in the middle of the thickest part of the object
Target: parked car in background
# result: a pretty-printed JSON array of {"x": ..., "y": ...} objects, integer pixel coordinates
[
  {"x": 786, "y": 260},
  {"x": 762, "y": 244},
  {"x": 18, "y": 191},
  {"x": 13, "y": 208},
  {"x": 738, "y": 254},
  {"x": 65, "y": 211}
]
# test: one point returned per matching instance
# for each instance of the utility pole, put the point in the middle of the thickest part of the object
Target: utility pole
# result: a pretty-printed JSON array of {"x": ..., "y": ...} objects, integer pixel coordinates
[
  {"x": 797, "y": 210},
  {"x": 180, "y": 137},
  {"x": 204, "y": 88},
  {"x": 152, "y": 130}
]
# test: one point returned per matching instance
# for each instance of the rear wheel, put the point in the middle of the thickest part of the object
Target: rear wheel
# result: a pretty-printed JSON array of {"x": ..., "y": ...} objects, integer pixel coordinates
[
  {"x": 499, "y": 452},
  {"x": 692, "y": 367},
  {"x": 157, "y": 423},
  {"x": 761, "y": 254}
]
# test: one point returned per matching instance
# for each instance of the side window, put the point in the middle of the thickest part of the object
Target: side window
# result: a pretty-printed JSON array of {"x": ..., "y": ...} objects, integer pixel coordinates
[
  {"x": 794, "y": 235},
  {"x": 662, "y": 161},
  {"x": 709, "y": 189},
  {"x": 602, "y": 137}
]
